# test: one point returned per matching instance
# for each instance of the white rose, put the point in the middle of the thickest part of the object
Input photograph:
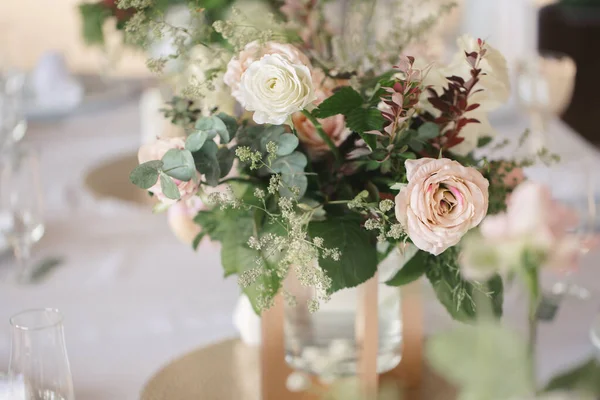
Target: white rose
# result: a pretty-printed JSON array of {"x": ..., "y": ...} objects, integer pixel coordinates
[
  {"x": 254, "y": 51},
  {"x": 274, "y": 89}
]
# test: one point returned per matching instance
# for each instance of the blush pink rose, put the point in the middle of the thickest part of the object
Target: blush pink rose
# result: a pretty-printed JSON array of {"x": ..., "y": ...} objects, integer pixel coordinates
[
  {"x": 442, "y": 201},
  {"x": 334, "y": 126},
  {"x": 534, "y": 221},
  {"x": 181, "y": 219},
  {"x": 156, "y": 151},
  {"x": 254, "y": 52}
]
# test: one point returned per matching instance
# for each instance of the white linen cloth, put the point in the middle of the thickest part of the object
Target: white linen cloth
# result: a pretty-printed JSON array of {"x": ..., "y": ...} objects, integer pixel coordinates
[{"x": 134, "y": 298}]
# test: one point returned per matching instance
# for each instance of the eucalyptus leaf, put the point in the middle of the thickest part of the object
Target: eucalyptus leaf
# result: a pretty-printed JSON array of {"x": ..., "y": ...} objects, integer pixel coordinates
[
  {"x": 213, "y": 125},
  {"x": 291, "y": 180},
  {"x": 358, "y": 261},
  {"x": 195, "y": 141},
  {"x": 231, "y": 124},
  {"x": 295, "y": 162},
  {"x": 286, "y": 144},
  {"x": 168, "y": 187},
  {"x": 207, "y": 163},
  {"x": 428, "y": 130},
  {"x": 179, "y": 164},
  {"x": 411, "y": 271},
  {"x": 145, "y": 175},
  {"x": 225, "y": 158},
  {"x": 270, "y": 134}
]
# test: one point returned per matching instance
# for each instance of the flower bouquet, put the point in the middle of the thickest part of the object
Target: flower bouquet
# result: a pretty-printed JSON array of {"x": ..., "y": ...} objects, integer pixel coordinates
[{"x": 345, "y": 148}]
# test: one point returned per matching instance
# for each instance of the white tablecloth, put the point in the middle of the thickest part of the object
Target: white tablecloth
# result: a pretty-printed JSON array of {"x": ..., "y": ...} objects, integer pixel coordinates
[{"x": 134, "y": 298}]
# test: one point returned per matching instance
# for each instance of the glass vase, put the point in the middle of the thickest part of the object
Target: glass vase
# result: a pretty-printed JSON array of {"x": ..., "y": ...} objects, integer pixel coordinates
[
  {"x": 324, "y": 343},
  {"x": 39, "y": 367}
]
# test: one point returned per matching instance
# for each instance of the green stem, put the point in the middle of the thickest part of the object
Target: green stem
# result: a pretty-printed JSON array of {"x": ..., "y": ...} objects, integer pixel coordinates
[
  {"x": 323, "y": 135},
  {"x": 239, "y": 179}
]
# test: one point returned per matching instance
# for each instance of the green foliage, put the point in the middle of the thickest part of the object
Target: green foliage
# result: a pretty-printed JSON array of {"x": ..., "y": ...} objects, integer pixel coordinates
[
  {"x": 233, "y": 228},
  {"x": 484, "y": 141},
  {"x": 214, "y": 126},
  {"x": 584, "y": 377},
  {"x": 358, "y": 262},
  {"x": 456, "y": 294},
  {"x": 179, "y": 164},
  {"x": 291, "y": 168},
  {"x": 286, "y": 144},
  {"x": 207, "y": 163},
  {"x": 230, "y": 123},
  {"x": 428, "y": 130},
  {"x": 168, "y": 187},
  {"x": 343, "y": 101},
  {"x": 411, "y": 271},
  {"x": 362, "y": 120},
  {"x": 195, "y": 141},
  {"x": 93, "y": 16},
  {"x": 486, "y": 361},
  {"x": 225, "y": 158},
  {"x": 145, "y": 175}
]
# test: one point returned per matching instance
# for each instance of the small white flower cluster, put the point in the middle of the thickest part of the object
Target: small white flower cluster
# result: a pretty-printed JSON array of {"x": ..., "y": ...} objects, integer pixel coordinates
[
  {"x": 245, "y": 154},
  {"x": 379, "y": 219},
  {"x": 225, "y": 199}
]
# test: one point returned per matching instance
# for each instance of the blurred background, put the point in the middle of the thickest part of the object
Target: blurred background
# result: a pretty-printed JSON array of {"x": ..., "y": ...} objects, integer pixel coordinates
[{"x": 133, "y": 296}]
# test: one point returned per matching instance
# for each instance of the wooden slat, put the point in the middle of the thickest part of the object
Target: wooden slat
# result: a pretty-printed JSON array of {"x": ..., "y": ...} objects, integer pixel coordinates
[{"x": 367, "y": 336}]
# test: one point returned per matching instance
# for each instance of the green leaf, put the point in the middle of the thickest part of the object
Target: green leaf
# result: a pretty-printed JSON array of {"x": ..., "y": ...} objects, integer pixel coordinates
[
  {"x": 455, "y": 293},
  {"x": 411, "y": 271},
  {"x": 286, "y": 144},
  {"x": 270, "y": 133},
  {"x": 298, "y": 180},
  {"x": 214, "y": 125},
  {"x": 428, "y": 130},
  {"x": 197, "y": 240},
  {"x": 207, "y": 163},
  {"x": 41, "y": 270},
  {"x": 168, "y": 187},
  {"x": 93, "y": 16},
  {"x": 362, "y": 120},
  {"x": 487, "y": 361},
  {"x": 584, "y": 377},
  {"x": 145, "y": 175},
  {"x": 225, "y": 157},
  {"x": 179, "y": 164},
  {"x": 231, "y": 124},
  {"x": 343, "y": 101},
  {"x": 358, "y": 262},
  {"x": 295, "y": 162},
  {"x": 195, "y": 141},
  {"x": 484, "y": 141}
]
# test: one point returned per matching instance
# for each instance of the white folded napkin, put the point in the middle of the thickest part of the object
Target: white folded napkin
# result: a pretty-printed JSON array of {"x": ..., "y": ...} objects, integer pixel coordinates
[
  {"x": 247, "y": 322},
  {"x": 52, "y": 85}
]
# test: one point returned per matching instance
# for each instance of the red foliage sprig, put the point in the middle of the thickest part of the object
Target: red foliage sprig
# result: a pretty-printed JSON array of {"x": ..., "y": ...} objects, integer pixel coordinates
[
  {"x": 453, "y": 102},
  {"x": 402, "y": 97}
]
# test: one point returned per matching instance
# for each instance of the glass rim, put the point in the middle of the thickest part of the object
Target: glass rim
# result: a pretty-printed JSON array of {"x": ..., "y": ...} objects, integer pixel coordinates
[{"x": 52, "y": 311}]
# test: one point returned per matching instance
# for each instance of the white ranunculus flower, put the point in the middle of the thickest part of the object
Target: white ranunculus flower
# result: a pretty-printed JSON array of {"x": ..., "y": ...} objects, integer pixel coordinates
[{"x": 274, "y": 88}]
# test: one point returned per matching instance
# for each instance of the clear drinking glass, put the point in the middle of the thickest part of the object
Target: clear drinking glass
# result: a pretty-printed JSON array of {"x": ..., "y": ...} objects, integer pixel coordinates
[
  {"x": 21, "y": 209},
  {"x": 39, "y": 365},
  {"x": 12, "y": 114}
]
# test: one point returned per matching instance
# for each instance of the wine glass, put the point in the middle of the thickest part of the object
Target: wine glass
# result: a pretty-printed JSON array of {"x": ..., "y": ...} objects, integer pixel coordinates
[
  {"x": 544, "y": 87},
  {"x": 39, "y": 365},
  {"x": 12, "y": 115},
  {"x": 21, "y": 211}
]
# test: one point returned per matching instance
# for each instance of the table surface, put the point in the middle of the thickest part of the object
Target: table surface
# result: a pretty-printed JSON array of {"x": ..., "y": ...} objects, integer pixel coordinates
[{"x": 134, "y": 298}]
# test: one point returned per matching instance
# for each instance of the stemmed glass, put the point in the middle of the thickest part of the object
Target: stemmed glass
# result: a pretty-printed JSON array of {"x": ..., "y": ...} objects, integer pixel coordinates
[
  {"x": 39, "y": 366},
  {"x": 21, "y": 216},
  {"x": 12, "y": 116},
  {"x": 544, "y": 87}
]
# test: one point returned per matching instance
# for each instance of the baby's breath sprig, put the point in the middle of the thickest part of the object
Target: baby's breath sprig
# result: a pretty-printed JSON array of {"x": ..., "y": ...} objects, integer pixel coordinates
[{"x": 379, "y": 217}]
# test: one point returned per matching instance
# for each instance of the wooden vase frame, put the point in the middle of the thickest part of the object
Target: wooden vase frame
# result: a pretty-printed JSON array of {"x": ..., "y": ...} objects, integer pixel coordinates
[{"x": 408, "y": 374}]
